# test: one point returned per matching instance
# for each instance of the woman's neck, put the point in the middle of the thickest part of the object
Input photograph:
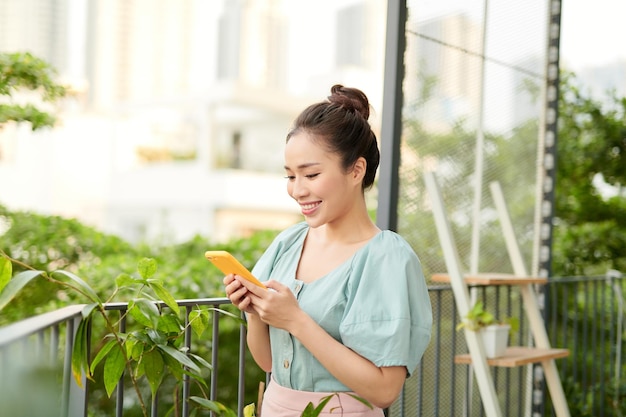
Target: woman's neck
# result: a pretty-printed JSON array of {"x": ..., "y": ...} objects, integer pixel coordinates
[{"x": 348, "y": 231}]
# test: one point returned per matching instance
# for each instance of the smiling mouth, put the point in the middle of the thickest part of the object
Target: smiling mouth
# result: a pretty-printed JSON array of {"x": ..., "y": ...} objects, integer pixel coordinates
[{"x": 309, "y": 208}]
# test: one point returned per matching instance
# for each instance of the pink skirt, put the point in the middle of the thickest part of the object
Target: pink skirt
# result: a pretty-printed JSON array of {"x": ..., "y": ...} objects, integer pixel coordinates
[{"x": 279, "y": 401}]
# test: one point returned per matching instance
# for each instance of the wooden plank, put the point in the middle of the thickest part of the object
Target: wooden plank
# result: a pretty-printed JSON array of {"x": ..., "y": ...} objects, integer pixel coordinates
[
  {"x": 491, "y": 278},
  {"x": 531, "y": 305},
  {"x": 480, "y": 367},
  {"x": 517, "y": 356}
]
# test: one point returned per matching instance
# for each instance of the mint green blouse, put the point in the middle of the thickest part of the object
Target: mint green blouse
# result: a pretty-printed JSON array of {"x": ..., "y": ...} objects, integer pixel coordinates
[{"x": 376, "y": 303}]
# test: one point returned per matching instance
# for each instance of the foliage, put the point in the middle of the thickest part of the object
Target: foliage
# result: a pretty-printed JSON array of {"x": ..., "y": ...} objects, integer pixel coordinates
[
  {"x": 312, "y": 410},
  {"x": 590, "y": 226},
  {"x": 454, "y": 152},
  {"x": 152, "y": 351},
  {"x": 600, "y": 398},
  {"x": 51, "y": 243},
  {"x": 22, "y": 71},
  {"x": 478, "y": 318}
]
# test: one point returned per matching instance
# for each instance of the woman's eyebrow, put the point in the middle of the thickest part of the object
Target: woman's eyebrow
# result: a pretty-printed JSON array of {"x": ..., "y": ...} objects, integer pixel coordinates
[{"x": 306, "y": 165}]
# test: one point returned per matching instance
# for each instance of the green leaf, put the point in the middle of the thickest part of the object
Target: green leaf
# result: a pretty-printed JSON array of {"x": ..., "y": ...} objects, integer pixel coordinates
[
  {"x": 164, "y": 295},
  {"x": 80, "y": 354},
  {"x": 197, "y": 377},
  {"x": 309, "y": 411},
  {"x": 321, "y": 405},
  {"x": 237, "y": 318},
  {"x": 113, "y": 369},
  {"x": 125, "y": 280},
  {"x": 200, "y": 360},
  {"x": 147, "y": 267},
  {"x": 88, "y": 310},
  {"x": 15, "y": 285},
  {"x": 157, "y": 337},
  {"x": 134, "y": 349},
  {"x": 144, "y": 311},
  {"x": 102, "y": 354},
  {"x": 362, "y": 400},
  {"x": 6, "y": 269},
  {"x": 214, "y": 406},
  {"x": 153, "y": 366},
  {"x": 199, "y": 321},
  {"x": 139, "y": 335},
  {"x": 208, "y": 404},
  {"x": 249, "y": 410},
  {"x": 180, "y": 357},
  {"x": 170, "y": 324},
  {"x": 82, "y": 285},
  {"x": 174, "y": 367}
]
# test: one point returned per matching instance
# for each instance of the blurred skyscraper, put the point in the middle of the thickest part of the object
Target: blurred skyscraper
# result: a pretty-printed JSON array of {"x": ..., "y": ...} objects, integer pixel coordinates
[{"x": 181, "y": 107}]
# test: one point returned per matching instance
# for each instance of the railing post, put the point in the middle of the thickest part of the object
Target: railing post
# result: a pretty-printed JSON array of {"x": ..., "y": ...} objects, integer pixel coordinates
[
  {"x": 214, "y": 356},
  {"x": 74, "y": 397},
  {"x": 119, "y": 400},
  {"x": 186, "y": 382},
  {"x": 242, "y": 365}
]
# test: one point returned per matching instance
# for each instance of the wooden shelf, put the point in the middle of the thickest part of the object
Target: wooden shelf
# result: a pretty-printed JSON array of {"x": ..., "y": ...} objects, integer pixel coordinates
[
  {"x": 517, "y": 356},
  {"x": 491, "y": 278}
]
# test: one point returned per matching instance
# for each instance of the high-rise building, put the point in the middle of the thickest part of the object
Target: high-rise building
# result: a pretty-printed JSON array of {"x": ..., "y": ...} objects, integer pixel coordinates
[
  {"x": 441, "y": 78},
  {"x": 39, "y": 27},
  {"x": 187, "y": 103}
]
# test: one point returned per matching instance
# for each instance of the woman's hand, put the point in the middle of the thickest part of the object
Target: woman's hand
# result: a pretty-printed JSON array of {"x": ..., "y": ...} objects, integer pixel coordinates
[
  {"x": 258, "y": 332},
  {"x": 276, "y": 305},
  {"x": 238, "y": 294}
]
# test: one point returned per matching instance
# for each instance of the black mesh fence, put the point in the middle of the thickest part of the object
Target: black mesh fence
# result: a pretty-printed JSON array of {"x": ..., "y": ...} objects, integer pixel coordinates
[{"x": 472, "y": 114}]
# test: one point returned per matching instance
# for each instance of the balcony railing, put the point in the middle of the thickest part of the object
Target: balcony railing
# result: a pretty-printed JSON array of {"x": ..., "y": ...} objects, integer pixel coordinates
[{"x": 584, "y": 315}]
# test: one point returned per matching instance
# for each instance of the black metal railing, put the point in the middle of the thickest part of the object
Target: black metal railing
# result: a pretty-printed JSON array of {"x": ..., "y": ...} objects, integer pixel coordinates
[
  {"x": 583, "y": 314},
  {"x": 22, "y": 342}
]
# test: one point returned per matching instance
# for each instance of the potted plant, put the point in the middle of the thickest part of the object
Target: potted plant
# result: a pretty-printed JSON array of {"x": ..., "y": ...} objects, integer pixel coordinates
[{"x": 494, "y": 332}]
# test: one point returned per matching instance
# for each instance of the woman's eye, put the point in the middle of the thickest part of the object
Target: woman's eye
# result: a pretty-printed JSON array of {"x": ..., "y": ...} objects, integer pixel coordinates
[
  {"x": 290, "y": 177},
  {"x": 312, "y": 175}
]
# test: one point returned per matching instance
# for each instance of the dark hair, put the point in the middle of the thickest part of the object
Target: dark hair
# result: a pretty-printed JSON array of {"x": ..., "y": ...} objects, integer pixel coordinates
[{"x": 341, "y": 122}]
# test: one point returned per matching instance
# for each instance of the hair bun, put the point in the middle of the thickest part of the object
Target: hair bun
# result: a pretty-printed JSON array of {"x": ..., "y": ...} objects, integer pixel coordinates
[{"x": 351, "y": 99}]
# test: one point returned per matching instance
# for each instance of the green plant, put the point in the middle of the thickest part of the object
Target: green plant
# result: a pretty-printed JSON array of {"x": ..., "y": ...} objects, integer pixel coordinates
[
  {"x": 312, "y": 410},
  {"x": 478, "y": 318},
  {"x": 22, "y": 71},
  {"x": 151, "y": 351}
]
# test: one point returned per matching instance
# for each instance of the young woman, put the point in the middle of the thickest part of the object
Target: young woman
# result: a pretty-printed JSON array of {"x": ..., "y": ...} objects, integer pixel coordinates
[{"x": 347, "y": 309}]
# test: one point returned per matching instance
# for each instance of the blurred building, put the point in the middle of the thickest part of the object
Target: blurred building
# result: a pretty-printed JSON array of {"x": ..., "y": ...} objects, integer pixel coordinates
[
  {"x": 180, "y": 107},
  {"x": 441, "y": 80}
]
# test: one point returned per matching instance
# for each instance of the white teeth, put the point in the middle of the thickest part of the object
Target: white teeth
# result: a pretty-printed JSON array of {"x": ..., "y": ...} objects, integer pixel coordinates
[{"x": 308, "y": 206}]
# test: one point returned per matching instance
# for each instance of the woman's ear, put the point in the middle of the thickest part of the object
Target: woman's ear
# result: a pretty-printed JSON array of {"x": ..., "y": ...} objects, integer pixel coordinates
[{"x": 359, "y": 168}]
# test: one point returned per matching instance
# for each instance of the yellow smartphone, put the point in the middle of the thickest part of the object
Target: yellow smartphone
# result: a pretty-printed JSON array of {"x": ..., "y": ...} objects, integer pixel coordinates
[{"x": 228, "y": 264}]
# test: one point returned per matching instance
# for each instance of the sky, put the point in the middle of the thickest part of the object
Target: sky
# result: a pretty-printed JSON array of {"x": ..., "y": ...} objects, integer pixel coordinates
[{"x": 592, "y": 33}]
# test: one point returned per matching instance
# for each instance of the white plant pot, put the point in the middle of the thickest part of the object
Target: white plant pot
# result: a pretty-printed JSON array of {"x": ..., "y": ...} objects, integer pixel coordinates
[{"x": 495, "y": 339}]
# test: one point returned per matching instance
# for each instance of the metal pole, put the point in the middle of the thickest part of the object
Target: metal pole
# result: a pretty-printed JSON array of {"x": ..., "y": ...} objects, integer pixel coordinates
[
  {"x": 478, "y": 169},
  {"x": 542, "y": 262},
  {"x": 391, "y": 127}
]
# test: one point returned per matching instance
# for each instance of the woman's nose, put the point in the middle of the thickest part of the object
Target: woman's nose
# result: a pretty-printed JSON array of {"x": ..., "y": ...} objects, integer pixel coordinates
[{"x": 297, "y": 188}]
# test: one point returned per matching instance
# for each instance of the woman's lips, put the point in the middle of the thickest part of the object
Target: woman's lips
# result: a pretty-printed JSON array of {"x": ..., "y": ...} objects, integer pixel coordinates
[{"x": 309, "y": 208}]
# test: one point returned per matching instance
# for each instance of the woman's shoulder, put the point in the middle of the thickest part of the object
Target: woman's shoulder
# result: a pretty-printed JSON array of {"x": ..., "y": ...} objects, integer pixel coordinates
[
  {"x": 389, "y": 250},
  {"x": 292, "y": 232},
  {"x": 391, "y": 242},
  {"x": 290, "y": 236}
]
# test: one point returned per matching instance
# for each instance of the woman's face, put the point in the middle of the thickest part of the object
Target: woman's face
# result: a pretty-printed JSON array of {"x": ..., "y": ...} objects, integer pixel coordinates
[{"x": 316, "y": 180}]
